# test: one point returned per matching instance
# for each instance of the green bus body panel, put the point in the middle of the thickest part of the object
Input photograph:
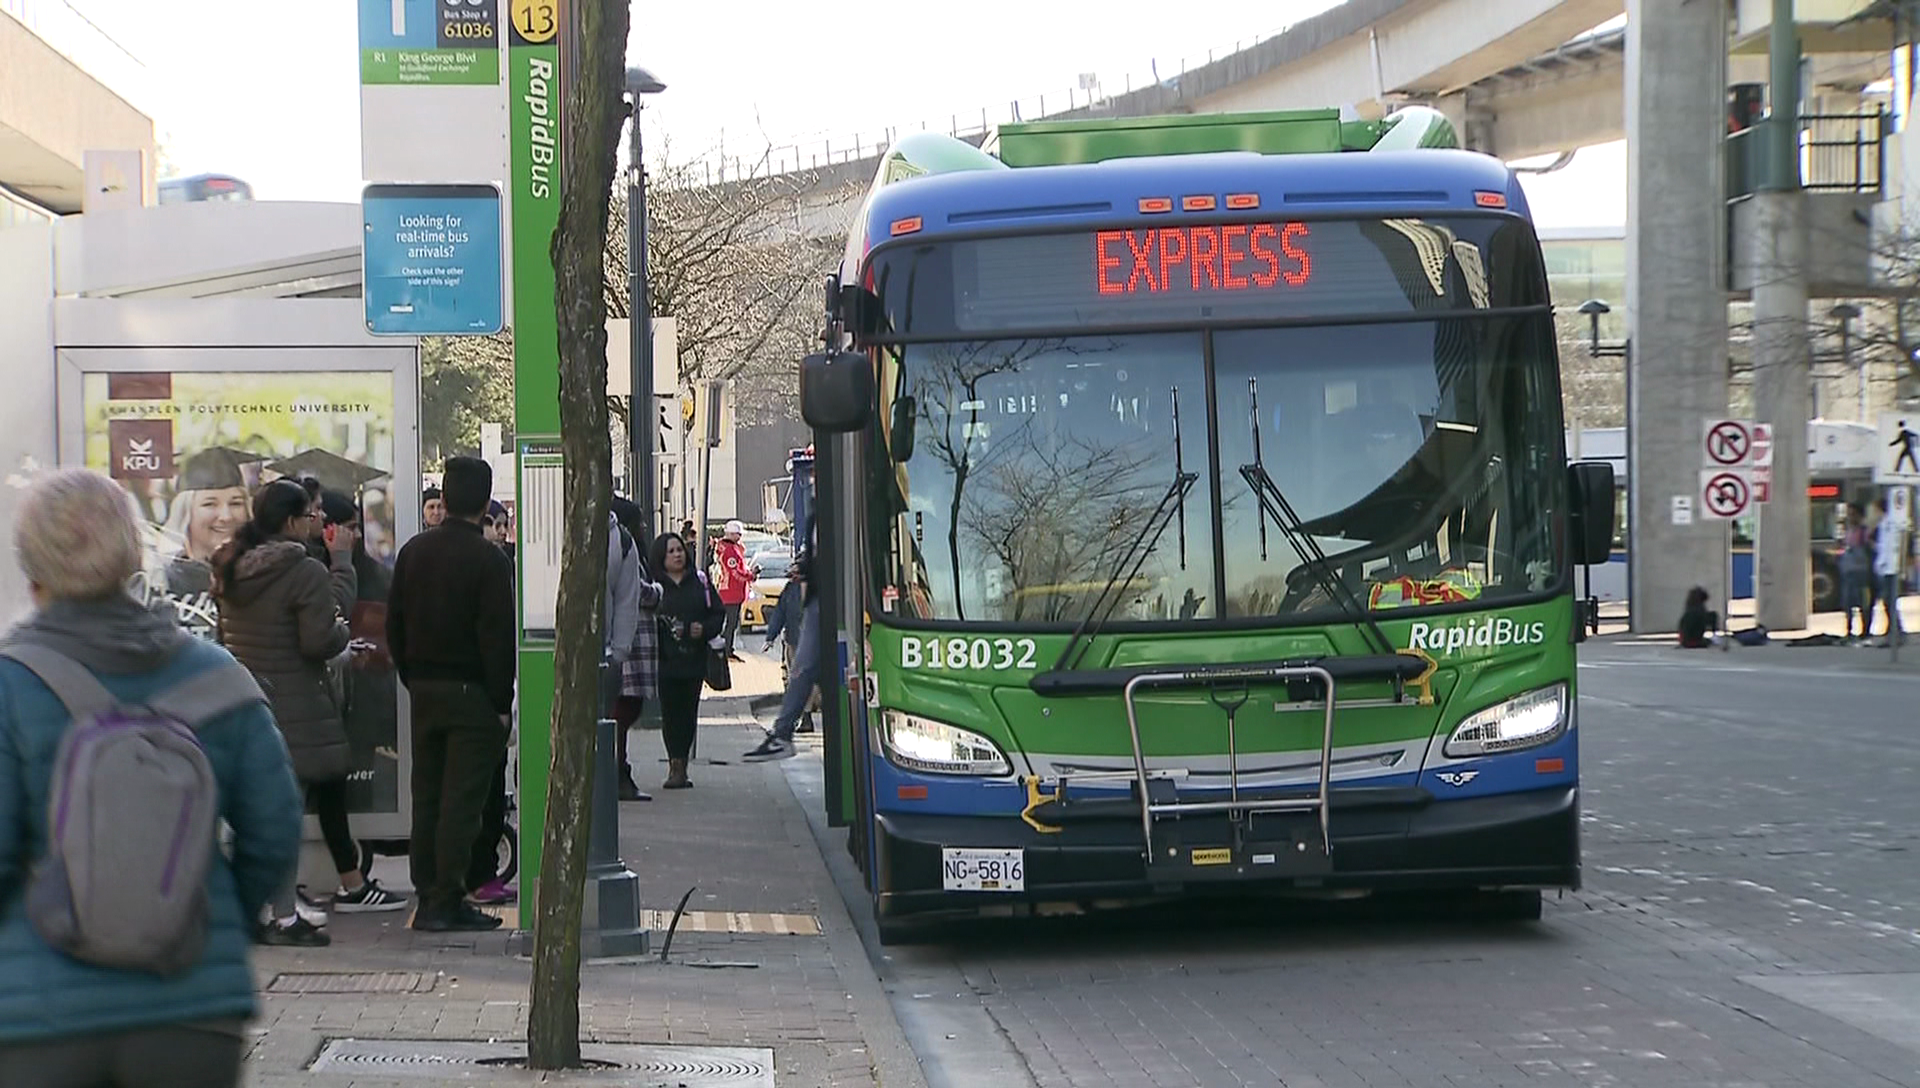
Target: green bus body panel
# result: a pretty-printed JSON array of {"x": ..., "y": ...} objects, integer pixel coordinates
[
  {"x": 1182, "y": 722},
  {"x": 1056, "y": 143},
  {"x": 1278, "y": 132}
]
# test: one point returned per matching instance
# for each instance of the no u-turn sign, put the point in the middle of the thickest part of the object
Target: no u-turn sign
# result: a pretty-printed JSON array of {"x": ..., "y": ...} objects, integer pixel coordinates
[{"x": 1724, "y": 493}]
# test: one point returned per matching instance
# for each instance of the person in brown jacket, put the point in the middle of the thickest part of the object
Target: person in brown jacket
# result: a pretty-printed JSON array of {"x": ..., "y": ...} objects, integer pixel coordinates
[{"x": 281, "y": 616}]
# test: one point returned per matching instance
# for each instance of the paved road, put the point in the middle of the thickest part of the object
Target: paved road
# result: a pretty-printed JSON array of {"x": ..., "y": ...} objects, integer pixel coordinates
[{"x": 1752, "y": 859}]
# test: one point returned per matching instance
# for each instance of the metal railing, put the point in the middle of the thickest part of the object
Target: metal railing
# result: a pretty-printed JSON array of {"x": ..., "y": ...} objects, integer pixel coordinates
[
  {"x": 1839, "y": 153},
  {"x": 1844, "y": 153},
  {"x": 81, "y": 40}
]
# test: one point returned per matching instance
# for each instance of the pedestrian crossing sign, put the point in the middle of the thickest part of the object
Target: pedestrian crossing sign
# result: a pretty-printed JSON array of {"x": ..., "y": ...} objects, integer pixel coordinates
[{"x": 1897, "y": 456}]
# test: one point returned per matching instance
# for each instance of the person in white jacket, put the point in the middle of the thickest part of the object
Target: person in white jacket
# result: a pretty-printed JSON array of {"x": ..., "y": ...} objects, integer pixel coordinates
[{"x": 1889, "y": 551}]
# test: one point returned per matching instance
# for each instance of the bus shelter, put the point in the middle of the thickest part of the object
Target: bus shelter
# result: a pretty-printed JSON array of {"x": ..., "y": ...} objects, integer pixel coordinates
[{"x": 194, "y": 353}]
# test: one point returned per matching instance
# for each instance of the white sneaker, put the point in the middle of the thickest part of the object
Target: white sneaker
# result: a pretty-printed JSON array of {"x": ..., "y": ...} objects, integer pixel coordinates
[{"x": 308, "y": 910}]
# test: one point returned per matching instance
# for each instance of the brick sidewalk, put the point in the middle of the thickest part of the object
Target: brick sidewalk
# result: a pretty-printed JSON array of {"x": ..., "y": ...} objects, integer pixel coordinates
[{"x": 778, "y": 981}]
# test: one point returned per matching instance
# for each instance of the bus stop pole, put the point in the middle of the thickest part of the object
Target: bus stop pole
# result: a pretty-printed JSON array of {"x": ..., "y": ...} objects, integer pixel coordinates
[{"x": 611, "y": 922}]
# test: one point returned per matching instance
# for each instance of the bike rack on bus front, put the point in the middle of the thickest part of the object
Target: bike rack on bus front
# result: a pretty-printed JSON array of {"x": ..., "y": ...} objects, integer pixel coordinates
[{"x": 1298, "y": 854}]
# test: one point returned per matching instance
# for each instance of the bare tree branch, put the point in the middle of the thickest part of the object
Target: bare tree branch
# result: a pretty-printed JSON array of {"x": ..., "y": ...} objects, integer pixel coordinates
[{"x": 736, "y": 265}]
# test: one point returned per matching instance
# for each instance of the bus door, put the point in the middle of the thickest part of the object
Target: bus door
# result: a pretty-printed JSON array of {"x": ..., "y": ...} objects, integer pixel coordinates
[{"x": 833, "y": 512}]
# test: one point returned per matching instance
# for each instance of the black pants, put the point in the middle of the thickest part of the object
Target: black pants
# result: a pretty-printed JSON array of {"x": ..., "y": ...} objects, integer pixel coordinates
[
  {"x": 328, "y": 803},
  {"x": 458, "y": 744},
  {"x": 328, "y": 800},
  {"x": 679, "y": 714},
  {"x": 493, "y": 824},
  {"x": 176, "y": 1056},
  {"x": 733, "y": 624}
]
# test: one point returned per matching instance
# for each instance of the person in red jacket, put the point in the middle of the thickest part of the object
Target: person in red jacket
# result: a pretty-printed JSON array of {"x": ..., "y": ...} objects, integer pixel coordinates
[{"x": 733, "y": 578}]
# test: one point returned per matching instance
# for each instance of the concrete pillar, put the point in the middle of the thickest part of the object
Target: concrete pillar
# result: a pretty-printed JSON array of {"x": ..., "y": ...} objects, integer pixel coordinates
[
  {"x": 1783, "y": 348},
  {"x": 1782, "y": 396},
  {"x": 1676, "y": 296}
]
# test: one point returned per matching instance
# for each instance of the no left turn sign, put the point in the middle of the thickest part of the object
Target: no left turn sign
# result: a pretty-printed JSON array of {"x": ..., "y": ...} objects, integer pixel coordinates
[{"x": 1724, "y": 494}]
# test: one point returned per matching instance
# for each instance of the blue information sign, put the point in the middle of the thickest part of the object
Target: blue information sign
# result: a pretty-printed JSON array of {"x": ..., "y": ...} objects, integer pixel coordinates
[{"x": 431, "y": 263}]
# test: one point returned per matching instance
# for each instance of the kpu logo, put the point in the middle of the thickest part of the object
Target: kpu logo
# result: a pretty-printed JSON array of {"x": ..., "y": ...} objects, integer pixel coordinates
[
  {"x": 142, "y": 449},
  {"x": 1456, "y": 779}
]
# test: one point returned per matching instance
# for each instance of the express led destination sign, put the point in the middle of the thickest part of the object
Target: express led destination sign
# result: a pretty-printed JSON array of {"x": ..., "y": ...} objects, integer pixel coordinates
[
  {"x": 1230, "y": 257},
  {"x": 1200, "y": 273}
]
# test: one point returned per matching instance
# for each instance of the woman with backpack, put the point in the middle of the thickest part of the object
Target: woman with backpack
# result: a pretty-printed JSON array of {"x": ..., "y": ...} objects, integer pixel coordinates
[
  {"x": 280, "y": 615},
  {"x": 140, "y": 988},
  {"x": 690, "y": 616}
]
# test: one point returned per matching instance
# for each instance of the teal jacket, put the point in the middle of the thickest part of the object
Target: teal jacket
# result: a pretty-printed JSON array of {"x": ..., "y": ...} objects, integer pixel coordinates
[{"x": 45, "y": 994}]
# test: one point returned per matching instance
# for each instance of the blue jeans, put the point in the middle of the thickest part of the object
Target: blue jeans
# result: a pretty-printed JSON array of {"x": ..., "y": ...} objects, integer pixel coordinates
[
  {"x": 802, "y": 676},
  {"x": 1890, "y": 600},
  {"x": 1853, "y": 597}
]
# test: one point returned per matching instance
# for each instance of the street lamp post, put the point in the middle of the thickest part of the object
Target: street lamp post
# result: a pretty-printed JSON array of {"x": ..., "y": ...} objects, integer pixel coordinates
[
  {"x": 1846, "y": 313},
  {"x": 640, "y": 83},
  {"x": 1595, "y": 308}
]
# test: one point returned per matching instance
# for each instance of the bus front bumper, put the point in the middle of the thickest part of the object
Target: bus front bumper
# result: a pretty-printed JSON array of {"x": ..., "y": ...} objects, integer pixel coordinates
[{"x": 1525, "y": 840}]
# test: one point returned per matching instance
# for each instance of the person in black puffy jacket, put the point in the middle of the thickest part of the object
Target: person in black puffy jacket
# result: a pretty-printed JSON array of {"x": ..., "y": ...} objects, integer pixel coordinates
[{"x": 690, "y": 616}]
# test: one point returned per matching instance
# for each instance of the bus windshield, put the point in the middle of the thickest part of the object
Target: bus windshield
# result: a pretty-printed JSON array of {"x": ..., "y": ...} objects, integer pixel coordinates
[{"x": 1419, "y": 457}]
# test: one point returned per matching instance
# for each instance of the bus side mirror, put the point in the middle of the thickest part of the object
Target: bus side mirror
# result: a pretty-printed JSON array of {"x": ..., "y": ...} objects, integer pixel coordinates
[
  {"x": 1590, "y": 484},
  {"x": 906, "y": 412},
  {"x": 836, "y": 391}
]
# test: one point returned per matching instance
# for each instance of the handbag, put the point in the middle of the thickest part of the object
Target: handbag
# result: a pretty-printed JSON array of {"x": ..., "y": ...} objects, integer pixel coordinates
[{"x": 719, "y": 671}]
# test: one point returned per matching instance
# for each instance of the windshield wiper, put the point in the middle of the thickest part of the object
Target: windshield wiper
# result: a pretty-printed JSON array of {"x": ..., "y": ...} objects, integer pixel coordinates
[
  {"x": 1131, "y": 561},
  {"x": 1273, "y": 503}
]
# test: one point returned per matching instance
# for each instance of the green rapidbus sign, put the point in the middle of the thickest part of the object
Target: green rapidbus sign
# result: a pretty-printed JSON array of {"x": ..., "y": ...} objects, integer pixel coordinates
[
  {"x": 533, "y": 162},
  {"x": 422, "y": 42}
]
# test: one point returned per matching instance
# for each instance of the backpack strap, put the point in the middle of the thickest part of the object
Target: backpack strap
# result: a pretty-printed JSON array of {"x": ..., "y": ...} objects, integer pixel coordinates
[
  {"x": 194, "y": 701},
  {"x": 71, "y": 682},
  {"x": 207, "y": 695}
]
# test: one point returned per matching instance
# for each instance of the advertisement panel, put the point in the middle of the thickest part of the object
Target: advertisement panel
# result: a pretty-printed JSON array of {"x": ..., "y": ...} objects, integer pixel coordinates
[{"x": 192, "y": 448}]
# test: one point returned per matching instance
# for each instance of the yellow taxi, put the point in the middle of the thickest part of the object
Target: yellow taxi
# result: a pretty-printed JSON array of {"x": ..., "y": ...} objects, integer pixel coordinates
[{"x": 765, "y": 593}]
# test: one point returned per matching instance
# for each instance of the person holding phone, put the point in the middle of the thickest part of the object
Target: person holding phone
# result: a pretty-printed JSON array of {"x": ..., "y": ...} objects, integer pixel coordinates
[
  {"x": 281, "y": 616},
  {"x": 690, "y": 617}
]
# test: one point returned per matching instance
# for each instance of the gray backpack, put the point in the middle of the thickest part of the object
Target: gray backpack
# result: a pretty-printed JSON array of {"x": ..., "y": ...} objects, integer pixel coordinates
[{"x": 132, "y": 814}]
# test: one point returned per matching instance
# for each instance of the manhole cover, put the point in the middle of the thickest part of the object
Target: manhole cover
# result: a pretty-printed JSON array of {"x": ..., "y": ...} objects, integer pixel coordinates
[
  {"x": 368, "y": 982},
  {"x": 657, "y": 1066}
]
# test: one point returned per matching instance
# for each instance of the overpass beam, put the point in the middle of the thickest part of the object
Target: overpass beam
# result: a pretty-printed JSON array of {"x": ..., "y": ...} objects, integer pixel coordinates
[{"x": 1676, "y": 297}]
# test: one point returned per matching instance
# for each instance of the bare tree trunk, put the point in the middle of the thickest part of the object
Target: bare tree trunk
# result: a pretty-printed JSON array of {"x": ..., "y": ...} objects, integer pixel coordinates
[{"x": 592, "y": 115}]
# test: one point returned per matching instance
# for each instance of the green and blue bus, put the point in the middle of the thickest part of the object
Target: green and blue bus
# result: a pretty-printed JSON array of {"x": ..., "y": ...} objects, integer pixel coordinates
[{"x": 1194, "y": 515}]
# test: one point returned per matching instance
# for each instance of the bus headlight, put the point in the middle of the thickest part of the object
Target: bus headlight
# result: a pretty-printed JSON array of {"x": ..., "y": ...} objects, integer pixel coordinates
[
  {"x": 1524, "y": 721},
  {"x": 922, "y": 744}
]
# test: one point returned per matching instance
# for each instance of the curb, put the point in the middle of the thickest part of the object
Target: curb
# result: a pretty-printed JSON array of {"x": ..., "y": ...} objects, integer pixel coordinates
[{"x": 894, "y": 1062}]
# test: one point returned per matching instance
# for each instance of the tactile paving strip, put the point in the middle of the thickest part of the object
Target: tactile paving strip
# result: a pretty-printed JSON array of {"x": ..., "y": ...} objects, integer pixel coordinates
[{"x": 735, "y": 921}]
